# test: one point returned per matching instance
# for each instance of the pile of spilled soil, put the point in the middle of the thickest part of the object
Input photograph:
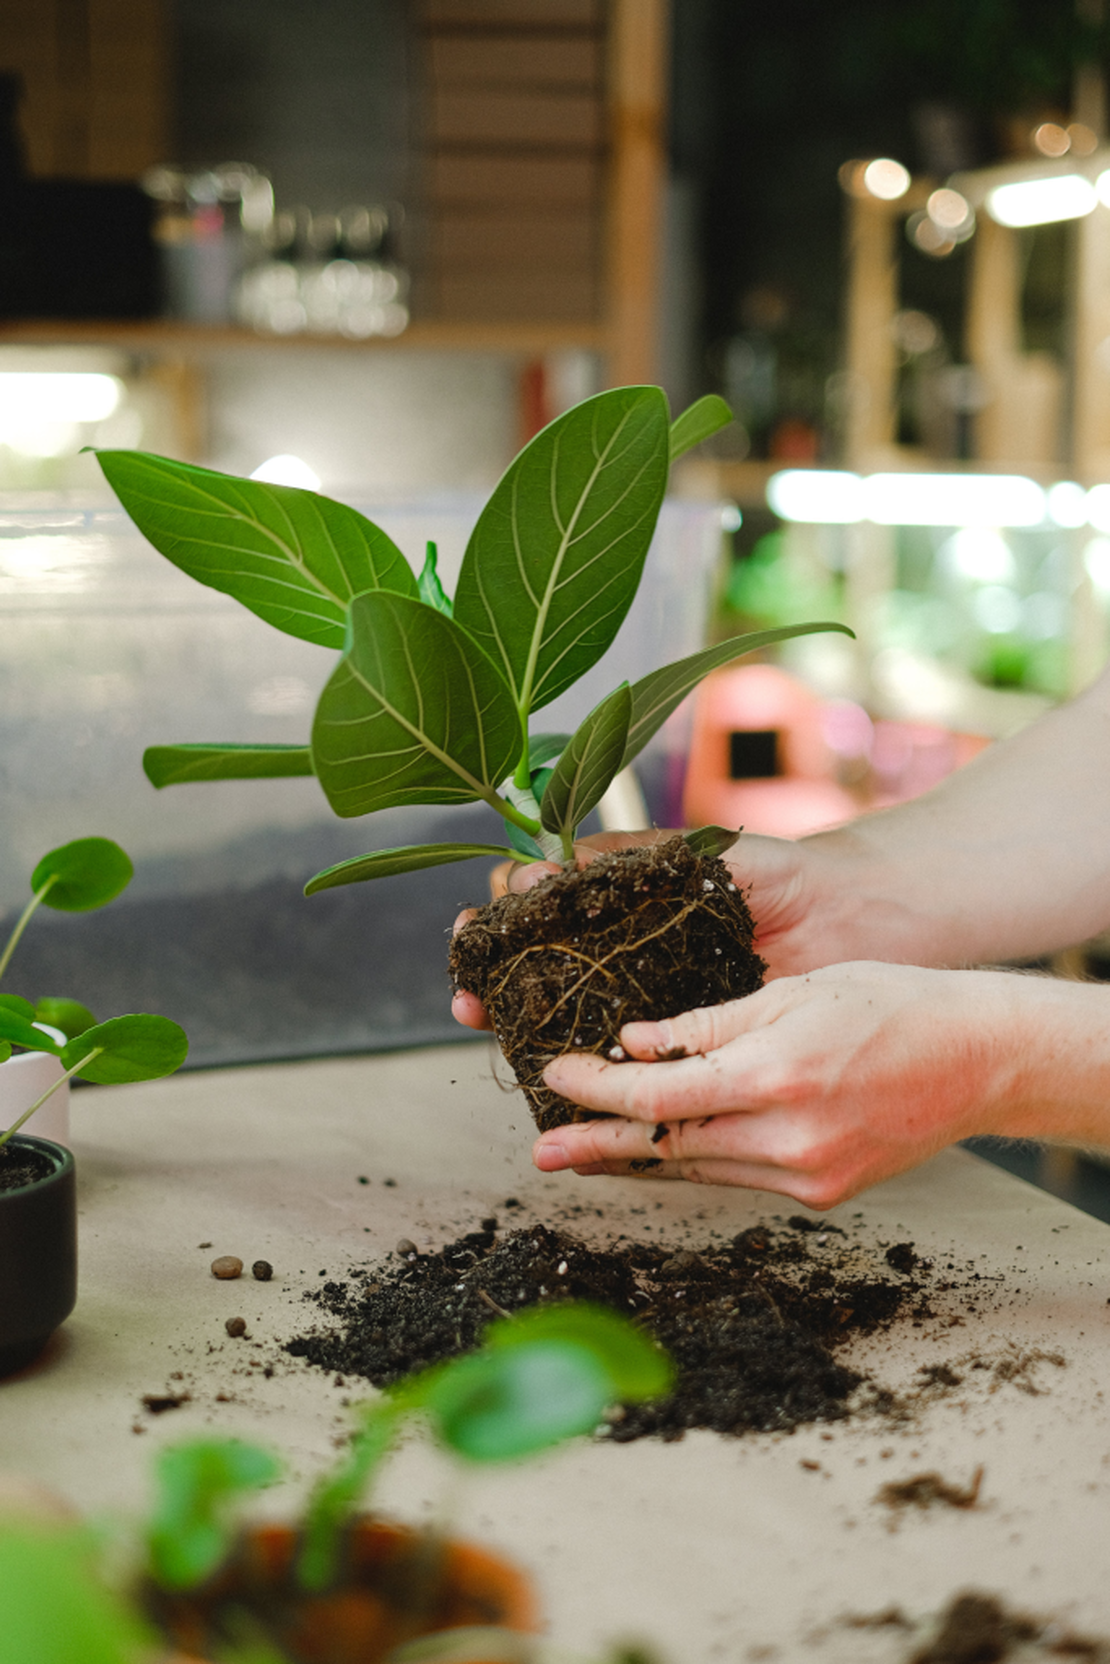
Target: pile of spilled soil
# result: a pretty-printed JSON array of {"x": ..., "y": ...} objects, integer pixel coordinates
[
  {"x": 752, "y": 1325},
  {"x": 977, "y": 1628},
  {"x": 644, "y": 933}
]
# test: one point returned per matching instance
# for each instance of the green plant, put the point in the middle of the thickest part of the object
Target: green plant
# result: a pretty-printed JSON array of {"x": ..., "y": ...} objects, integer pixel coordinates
[
  {"x": 432, "y": 699},
  {"x": 76, "y": 878}
]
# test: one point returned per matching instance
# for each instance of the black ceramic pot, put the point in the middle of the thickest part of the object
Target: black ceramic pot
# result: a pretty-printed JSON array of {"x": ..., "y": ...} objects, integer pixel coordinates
[{"x": 38, "y": 1255}]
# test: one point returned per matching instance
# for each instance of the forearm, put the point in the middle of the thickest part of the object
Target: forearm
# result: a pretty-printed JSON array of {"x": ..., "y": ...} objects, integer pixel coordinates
[{"x": 1008, "y": 858}]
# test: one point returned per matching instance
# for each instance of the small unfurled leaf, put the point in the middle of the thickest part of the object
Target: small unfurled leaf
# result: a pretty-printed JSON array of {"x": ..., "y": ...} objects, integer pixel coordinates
[
  {"x": 20, "y": 1007},
  {"x": 333, "y": 1501},
  {"x": 414, "y": 713},
  {"x": 636, "y": 1367},
  {"x": 22, "y": 1032},
  {"x": 293, "y": 557},
  {"x": 140, "y": 1046},
  {"x": 554, "y": 561},
  {"x": 523, "y": 844},
  {"x": 703, "y": 418},
  {"x": 494, "y": 1406},
  {"x": 711, "y": 840},
  {"x": 70, "y": 1016},
  {"x": 432, "y": 592},
  {"x": 197, "y": 1482},
  {"x": 655, "y": 696},
  {"x": 179, "y": 765},
  {"x": 586, "y": 768},
  {"x": 385, "y": 863},
  {"x": 82, "y": 875}
]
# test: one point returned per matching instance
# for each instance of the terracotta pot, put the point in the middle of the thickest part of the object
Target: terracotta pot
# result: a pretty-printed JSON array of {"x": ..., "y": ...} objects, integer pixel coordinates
[
  {"x": 396, "y": 1584},
  {"x": 38, "y": 1255}
]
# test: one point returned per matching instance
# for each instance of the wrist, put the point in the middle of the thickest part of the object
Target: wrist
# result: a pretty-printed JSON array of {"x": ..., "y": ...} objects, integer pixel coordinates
[{"x": 1051, "y": 1046}]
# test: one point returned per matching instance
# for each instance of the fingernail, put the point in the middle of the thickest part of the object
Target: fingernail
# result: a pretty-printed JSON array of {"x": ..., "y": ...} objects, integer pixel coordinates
[
  {"x": 550, "y": 1158},
  {"x": 648, "y": 1036}
]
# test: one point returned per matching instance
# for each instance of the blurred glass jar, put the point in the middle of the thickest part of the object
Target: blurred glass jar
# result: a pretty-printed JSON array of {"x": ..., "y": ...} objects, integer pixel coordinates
[{"x": 208, "y": 227}]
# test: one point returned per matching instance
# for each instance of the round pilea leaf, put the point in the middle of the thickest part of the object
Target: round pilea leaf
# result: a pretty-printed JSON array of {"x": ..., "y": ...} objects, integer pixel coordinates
[
  {"x": 82, "y": 875},
  {"x": 494, "y": 1406},
  {"x": 22, "y": 1008},
  {"x": 635, "y": 1366},
  {"x": 17, "y": 1028},
  {"x": 70, "y": 1016},
  {"x": 137, "y": 1047},
  {"x": 5, "y": 1050}
]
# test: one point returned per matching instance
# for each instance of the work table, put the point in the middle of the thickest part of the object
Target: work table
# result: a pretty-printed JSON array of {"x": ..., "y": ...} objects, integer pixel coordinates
[{"x": 706, "y": 1548}]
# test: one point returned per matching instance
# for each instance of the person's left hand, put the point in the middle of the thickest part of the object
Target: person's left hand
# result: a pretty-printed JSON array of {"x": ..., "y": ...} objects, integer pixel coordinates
[{"x": 816, "y": 1086}]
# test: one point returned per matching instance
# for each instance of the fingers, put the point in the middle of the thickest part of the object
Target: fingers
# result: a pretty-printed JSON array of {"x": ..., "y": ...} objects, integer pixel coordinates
[
  {"x": 687, "y": 1087},
  {"x": 693, "y": 1032},
  {"x": 469, "y": 1010}
]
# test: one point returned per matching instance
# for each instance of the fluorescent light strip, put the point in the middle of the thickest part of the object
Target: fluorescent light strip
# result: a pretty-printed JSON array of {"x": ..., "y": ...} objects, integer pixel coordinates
[{"x": 832, "y": 497}]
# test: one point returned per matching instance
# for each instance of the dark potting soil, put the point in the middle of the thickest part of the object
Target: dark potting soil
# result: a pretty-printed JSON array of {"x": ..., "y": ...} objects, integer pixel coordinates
[
  {"x": 20, "y": 1166},
  {"x": 979, "y": 1629},
  {"x": 640, "y": 934},
  {"x": 752, "y": 1324}
]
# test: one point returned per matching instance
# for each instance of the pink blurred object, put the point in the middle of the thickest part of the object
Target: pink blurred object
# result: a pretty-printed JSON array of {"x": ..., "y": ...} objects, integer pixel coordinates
[{"x": 769, "y": 755}]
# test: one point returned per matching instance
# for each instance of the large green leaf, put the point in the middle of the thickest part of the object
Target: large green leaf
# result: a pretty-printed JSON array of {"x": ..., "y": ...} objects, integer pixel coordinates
[
  {"x": 414, "y": 713},
  {"x": 178, "y": 765},
  {"x": 554, "y": 561},
  {"x": 291, "y": 556},
  {"x": 655, "y": 696},
  {"x": 495, "y": 1406},
  {"x": 55, "y": 1608},
  {"x": 82, "y": 875},
  {"x": 22, "y": 1032},
  {"x": 198, "y": 1482},
  {"x": 636, "y": 1367},
  {"x": 385, "y": 863},
  {"x": 703, "y": 418},
  {"x": 586, "y": 768},
  {"x": 140, "y": 1046},
  {"x": 70, "y": 1016}
]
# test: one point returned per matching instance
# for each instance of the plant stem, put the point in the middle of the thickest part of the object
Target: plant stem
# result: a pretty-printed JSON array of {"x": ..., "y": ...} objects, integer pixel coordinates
[
  {"x": 567, "y": 840},
  {"x": 23, "y": 921},
  {"x": 523, "y": 776},
  {"x": 38, "y": 1103},
  {"x": 507, "y": 810}
]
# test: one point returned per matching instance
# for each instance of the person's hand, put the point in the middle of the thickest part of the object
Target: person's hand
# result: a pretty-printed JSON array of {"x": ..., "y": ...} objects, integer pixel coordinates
[{"x": 816, "y": 1086}]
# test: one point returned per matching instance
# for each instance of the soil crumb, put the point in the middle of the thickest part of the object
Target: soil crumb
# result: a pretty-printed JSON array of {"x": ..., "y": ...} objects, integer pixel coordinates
[
  {"x": 753, "y": 1325},
  {"x": 925, "y": 1490},
  {"x": 978, "y": 1629},
  {"x": 644, "y": 933}
]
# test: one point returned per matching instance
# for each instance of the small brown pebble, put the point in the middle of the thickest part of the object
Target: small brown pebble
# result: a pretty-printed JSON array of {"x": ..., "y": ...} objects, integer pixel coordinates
[
  {"x": 236, "y": 1326},
  {"x": 227, "y": 1266},
  {"x": 262, "y": 1271},
  {"x": 405, "y": 1247},
  {"x": 204, "y": 1245}
]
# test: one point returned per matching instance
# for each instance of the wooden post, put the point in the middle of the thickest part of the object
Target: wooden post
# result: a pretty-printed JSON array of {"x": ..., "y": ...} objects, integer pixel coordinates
[
  {"x": 638, "y": 52},
  {"x": 872, "y": 302}
]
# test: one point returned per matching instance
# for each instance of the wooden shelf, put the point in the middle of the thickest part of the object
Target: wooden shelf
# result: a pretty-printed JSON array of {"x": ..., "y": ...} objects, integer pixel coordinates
[{"x": 170, "y": 337}]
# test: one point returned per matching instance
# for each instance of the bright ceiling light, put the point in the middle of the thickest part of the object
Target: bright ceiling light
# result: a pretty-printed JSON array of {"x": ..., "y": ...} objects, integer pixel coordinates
[
  {"x": 1098, "y": 507},
  {"x": 1068, "y": 196},
  {"x": 979, "y": 554},
  {"x": 886, "y": 179},
  {"x": 32, "y": 398},
  {"x": 287, "y": 470},
  {"x": 816, "y": 496},
  {"x": 953, "y": 500}
]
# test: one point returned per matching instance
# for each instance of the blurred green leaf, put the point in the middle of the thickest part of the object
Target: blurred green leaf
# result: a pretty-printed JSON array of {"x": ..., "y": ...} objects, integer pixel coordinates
[
  {"x": 70, "y": 1016},
  {"x": 55, "y": 1609},
  {"x": 704, "y": 418},
  {"x": 494, "y": 1406},
  {"x": 544, "y": 748},
  {"x": 414, "y": 713},
  {"x": 334, "y": 1500},
  {"x": 384, "y": 863},
  {"x": 22, "y": 1032},
  {"x": 141, "y": 1046},
  {"x": 178, "y": 765},
  {"x": 655, "y": 696},
  {"x": 5, "y": 1050},
  {"x": 432, "y": 592},
  {"x": 82, "y": 875},
  {"x": 192, "y": 1526},
  {"x": 554, "y": 561},
  {"x": 586, "y": 768},
  {"x": 636, "y": 1367},
  {"x": 19, "y": 1007},
  {"x": 294, "y": 558}
]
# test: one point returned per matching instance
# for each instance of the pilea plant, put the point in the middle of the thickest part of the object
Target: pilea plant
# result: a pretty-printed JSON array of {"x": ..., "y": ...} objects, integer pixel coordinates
[
  {"x": 76, "y": 878},
  {"x": 213, "y": 1589},
  {"x": 433, "y": 698}
]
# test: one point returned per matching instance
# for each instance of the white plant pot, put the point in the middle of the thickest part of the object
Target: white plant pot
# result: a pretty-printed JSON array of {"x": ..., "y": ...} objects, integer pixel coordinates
[{"x": 23, "y": 1078}]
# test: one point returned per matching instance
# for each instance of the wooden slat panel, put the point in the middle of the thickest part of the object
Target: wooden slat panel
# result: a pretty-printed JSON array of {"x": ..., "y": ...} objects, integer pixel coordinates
[
  {"x": 463, "y": 178},
  {"x": 516, "y": 61},
  {"x": 28, "y": 44},
  {"x": 128, "y": 106},
  {"x": 574, "y": 120},
  {"x": 521, "y": 14},
  {"x": 492, "y": 296},
  {"x": 503, "y": 242}
]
